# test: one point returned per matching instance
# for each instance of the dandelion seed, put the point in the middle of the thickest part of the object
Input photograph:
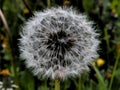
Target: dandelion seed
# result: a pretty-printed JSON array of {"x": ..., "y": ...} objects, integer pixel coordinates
[{"x": 58, "y": 43}]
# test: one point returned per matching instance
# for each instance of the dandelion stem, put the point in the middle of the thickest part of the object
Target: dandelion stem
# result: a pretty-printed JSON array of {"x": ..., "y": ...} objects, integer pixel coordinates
[
  {"x": 57, "y": 84},
  {"x": 79, "y": 84}
]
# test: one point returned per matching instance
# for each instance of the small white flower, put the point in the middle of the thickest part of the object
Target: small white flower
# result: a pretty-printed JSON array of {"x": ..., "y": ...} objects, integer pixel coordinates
[
  {"x": 58, "y": 43},
  {"x": 4, "y": 87},
  {"x": 1, "y": 84},
  {"x": 14, "y": 86}
]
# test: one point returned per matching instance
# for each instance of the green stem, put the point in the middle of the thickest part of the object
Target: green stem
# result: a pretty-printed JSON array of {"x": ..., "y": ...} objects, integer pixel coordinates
[
  {"x": 79, "y": 84},
  {"x": 48, "y": 3},
  {"x": 91, "y": 85},
  {"x": 107, "y": 39},
  {"x": 101, "y": 82},
  {"x": 57, "y": 84},
  {"x": 114, "y": 69}
]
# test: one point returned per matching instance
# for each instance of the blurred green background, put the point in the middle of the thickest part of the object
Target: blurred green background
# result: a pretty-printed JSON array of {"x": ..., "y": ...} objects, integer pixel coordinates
[{"x": 105, "y": 72}]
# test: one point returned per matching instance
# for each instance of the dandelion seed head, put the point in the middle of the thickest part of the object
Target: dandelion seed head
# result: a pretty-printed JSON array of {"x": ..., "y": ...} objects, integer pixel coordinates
[{"x": 58, "y": 43}]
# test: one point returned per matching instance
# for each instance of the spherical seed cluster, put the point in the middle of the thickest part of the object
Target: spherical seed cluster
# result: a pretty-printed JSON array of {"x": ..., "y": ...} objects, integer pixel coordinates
[{"x": 58, "y": 43}]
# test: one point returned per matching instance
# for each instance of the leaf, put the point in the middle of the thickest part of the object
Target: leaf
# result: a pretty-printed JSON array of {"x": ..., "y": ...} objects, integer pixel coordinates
[
  {"x": 102, "y": 85},
  {"x": 26, "y": 80}
]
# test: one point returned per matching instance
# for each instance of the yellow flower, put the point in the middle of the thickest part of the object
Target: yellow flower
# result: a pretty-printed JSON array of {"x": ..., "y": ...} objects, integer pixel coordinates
[
  {"x": 100, "y": 62},
  {"x": 25, "y": 11}
]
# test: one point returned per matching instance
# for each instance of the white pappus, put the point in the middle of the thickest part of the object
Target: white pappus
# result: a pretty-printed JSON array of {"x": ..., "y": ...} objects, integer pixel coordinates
[{"x": 58, "y": 43}]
